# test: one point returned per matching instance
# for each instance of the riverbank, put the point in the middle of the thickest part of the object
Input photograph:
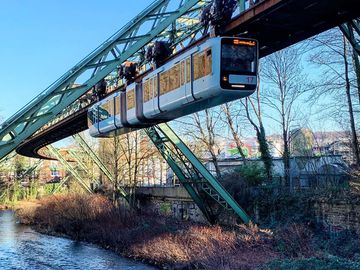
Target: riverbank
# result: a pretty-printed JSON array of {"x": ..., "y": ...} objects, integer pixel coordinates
[
  {"x": 23, "y": 248},
  {"x": 170, "y": 244}
]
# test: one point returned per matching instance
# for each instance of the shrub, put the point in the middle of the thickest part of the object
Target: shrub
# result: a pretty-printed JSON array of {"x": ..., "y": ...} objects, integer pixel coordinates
[
  {"x": 294, "y": 240},
  {"x": 330, "y": 263},
  {"x": 345, "y": 244}
]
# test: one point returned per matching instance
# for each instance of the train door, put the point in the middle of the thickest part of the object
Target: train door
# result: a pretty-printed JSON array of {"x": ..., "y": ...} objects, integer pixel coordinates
[
  {"x": 155, "y": 94},
  {"x": 186, "y": 67}
]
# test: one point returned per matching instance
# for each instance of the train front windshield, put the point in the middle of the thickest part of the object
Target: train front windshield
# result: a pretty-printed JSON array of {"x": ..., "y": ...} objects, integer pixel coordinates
[{"x": 239, "y": 57}]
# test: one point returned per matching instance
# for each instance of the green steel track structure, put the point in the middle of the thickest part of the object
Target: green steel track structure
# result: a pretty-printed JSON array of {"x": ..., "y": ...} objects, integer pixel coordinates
[
  {"x": 163, "y": 19},
  {"x": 31, "y": 168},
  {"x": 54, "y": 152},
  {"x": 62, "y": 182},
  {"x": 87, "y": 149},
  {"x": 202, "y": 186}
]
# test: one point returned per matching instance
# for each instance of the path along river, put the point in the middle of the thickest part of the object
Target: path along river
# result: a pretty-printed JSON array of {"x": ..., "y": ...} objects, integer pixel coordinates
[{"x": 24, "y": 249}]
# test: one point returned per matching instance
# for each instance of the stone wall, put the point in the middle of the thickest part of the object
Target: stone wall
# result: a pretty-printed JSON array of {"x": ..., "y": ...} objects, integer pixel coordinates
[
  {"x": 338, "y": 215},
  {"x": 169, "y": 201},
  {"x": 180, "y": 209}
]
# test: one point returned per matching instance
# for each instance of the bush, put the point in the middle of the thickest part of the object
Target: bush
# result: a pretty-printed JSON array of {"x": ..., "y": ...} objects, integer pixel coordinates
[
  {"x": 294, "y": 240},
  {"x": 330, "y": 263},
  {"x": 252, "y": 173},
  {"x": 345, "y": 244}
]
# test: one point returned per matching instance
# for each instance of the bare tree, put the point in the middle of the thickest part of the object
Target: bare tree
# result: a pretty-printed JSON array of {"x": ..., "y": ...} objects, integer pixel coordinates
[
  {"x": 354, "y": 139},
  {"x": 356, "y": 64},
  {"x": 131, "y": 157},
  {"x": 202, "y": 128},
  {"x": 283, "y": 73},
  {"x": 332, "y": 53},
  {"x": 230, "y": 116},
  {"x": 254, "y": 115}
]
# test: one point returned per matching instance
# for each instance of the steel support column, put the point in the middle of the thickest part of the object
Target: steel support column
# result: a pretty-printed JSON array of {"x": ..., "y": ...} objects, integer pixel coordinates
[
  {"x": 87, "y": 149},
  {"x": 202, "y": 186},
  {"x": 68, "y": 167},
  {"x": 31, "y": 169},
  {"x": 62, "y": 182}
]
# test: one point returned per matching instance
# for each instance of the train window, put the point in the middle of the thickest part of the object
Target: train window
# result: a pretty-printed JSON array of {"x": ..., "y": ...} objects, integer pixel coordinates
[
  {"x": 110, "y": 105},
  {"x": 130, "y": 99},
  {"x": 188, "y": 70},
  {"x": 147, "y": 89},
  {"x": 182, "y": 73},
  {"x": 199, "y": 65},
  {"x": 164, "y": 84},
  {"x": 117, "y": 105},
  {"x": 208, "y": 62},
  {"x": 174, "y": 73},
  {"x": 104, "y": 111},
  {"x": 238, "y": 58},
  {"x": 92, "y": 116}
]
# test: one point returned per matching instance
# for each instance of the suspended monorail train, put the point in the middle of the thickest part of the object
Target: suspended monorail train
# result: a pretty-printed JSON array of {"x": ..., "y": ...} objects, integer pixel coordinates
[{"x": 216, "y": 71}]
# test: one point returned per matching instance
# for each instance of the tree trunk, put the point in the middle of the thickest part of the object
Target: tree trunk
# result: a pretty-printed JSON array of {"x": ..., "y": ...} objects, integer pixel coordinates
[
  {"x": 261, "y": 138},
  {"x": 286, "y": 161},
  {"x": 354, "y": 140},
  {"x": 357, "y": 70},
  {"x": 239, "y": 143},
  {"x": 265, "y": 152}
]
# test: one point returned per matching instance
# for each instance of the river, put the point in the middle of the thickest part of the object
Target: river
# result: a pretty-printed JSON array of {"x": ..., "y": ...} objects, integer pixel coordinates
[{"x": 23, "y": 248}]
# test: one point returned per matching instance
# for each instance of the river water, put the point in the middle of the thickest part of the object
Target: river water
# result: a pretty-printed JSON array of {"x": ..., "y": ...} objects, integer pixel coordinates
[{"x": 24, "y": 249}]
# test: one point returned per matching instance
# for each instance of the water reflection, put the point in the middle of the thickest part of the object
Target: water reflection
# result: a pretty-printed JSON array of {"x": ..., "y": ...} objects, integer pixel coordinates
[{"x": 22, "y": 248}]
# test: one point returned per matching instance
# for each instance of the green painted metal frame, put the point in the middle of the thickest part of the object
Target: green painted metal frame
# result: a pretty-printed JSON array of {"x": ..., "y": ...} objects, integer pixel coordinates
[
  {"x": 87, "y": 149},
  {"x": 352, "y": 32},
  {"x": 62, "y": 182},
  {"x": 53, "y": 151},
  {"x": 147, "y": 26},
  {"x": 8, "y": 157},
  {"x": 196, "y": 179},
  {"x": 32, "y": 168}
]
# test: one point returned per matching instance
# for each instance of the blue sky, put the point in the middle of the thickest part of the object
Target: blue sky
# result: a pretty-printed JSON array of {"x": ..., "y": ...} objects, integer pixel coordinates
[{"x": 42, "y": 39}]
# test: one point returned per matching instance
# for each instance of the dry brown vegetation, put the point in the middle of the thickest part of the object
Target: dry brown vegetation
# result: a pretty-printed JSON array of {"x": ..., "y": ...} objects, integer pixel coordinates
[
  {"x": 164, "y": 242},
  {"x": 172, "y": 244}
]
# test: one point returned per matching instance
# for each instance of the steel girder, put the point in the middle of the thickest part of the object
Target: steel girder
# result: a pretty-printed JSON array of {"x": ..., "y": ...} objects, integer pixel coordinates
[
  {"x": 8, "y": 157},
  {"x": 62, "y": 182},
  {"x": 352, "y": 32},
  {"x": 202, "y": 186},
  {"x": 53, "y": 151},
  {"x": 87, "y": 149},
  {"x": 32, "y": 168},
  {"x": 155, "y": 22}
]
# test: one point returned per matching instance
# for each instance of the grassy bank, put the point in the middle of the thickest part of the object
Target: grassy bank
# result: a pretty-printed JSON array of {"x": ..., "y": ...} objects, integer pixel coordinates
[{"x": 182, "y": 245}]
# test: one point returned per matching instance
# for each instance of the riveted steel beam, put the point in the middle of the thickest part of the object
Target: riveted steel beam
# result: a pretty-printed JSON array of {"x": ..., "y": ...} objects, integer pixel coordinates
[
  {"x": 196, "y": 179},
  {"x": 94, "y": 157},
  {"x": 68, "y": 167}
]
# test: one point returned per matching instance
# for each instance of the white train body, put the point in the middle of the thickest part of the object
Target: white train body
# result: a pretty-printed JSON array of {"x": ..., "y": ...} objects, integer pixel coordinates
[{"x": 218, "y": 70}]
